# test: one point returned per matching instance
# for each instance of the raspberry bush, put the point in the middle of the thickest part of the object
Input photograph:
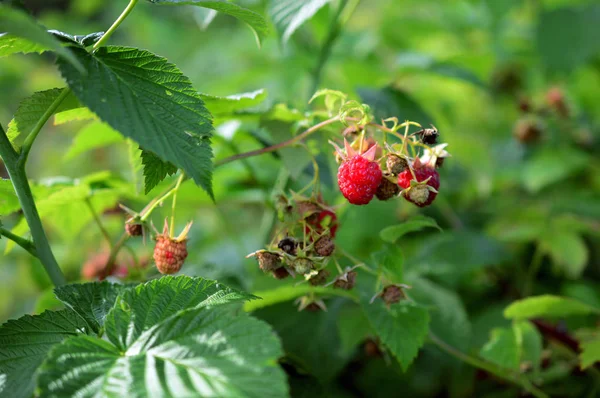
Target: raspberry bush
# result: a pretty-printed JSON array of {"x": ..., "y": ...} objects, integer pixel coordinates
[{"x": 427, "y": 224}]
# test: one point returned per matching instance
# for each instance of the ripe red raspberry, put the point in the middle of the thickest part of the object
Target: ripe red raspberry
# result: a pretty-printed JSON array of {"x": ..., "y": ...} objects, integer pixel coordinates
[
  {"x": 358, "y": 179},
  {"x": 170, "y": 253},
  {"x": 416, "y": 193}
]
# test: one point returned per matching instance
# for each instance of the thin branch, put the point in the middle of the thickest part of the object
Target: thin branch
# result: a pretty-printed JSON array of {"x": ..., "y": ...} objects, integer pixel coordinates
[
  {"x": 115, "y": 25},
  {"x": 24, "y": 243},
  {"x": 98, "y": 222}
]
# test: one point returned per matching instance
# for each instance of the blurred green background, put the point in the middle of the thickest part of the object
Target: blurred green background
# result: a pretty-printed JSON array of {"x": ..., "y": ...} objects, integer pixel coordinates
[{"x": 512, "y": 85}]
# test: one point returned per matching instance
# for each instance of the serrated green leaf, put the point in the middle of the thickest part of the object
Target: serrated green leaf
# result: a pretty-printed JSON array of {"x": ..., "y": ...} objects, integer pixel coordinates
[
  {"x": 353, "y": 329},
  {"x": 219, "y": 106},
  {"x": 567, "y": 250},
  {"x": 149, "y": 100},
  {"x": 402, "y": 327},
  {"x": 155, "y": 170},
  {"x": 547, "y": 306},
  {"x": 289, "y": 15},
  {"x": 137, "y": 310},
  {"x": 197, "y": 352},
  {"x": 19, "y": 24},
  {"x": 92, "y": 301},
  {"x": 449, "y": 319},
  {"x": 502, "y": 349},
  {"x": 94, "y": 135},
  {"x": 24, "y": 344},
  {"x": 287, "y": 293},
  {"x": 395, "y": 232},
  {"x": 391, "y": 261},
  {"x": 32, "y": 108},
  {"x": 590, "y": 353},
  {"x": 255, "y": 21},
  {"x": 10, "y": 44}
]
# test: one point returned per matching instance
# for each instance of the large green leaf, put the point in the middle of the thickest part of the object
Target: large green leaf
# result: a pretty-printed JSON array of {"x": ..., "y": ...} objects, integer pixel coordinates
[
  {"x": 219, "y": 106},
  {"x": 21, "y": 26},
  {"x": 139, "y": 309},
  {"x": 547, "y": 306},
  {"x": 557, "y": 31},
  {"x": 255, "y": 21},
  {"x": 449, "y": 319},
  {"x": 402, "y": 327},
  {"x": 198, "y": 352},
  {"x": 92, "y": 301},
  {"x": 503, "y": 348},
  {"x": 393, "y": 233},
  {"x": 24, "y": 344},
  {"x": 289, "y": 15},
  {"x": 32, "y": 108},
  {"x": 148, "y": 99}
]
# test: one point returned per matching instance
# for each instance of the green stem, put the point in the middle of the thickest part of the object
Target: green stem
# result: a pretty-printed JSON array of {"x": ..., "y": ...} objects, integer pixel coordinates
[
  {"x": 24, "y": 243},
  {"x": 174, "y": 204},
  {"x": 115, "y": 25},
  {"x": 280, "y": 145},
  {"x": 534, "y": 267},
  {"x": 16, "y": 171},
  {"x": 334, "y": 32},
  {"x": 489, "y": 367},
  {"x": 105, "y": 233},
  {"x": 26, "y": 148}
]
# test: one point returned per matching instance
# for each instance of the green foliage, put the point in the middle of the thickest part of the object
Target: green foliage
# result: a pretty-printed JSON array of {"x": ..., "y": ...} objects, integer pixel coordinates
[
  {"x": 547, "y": 306},
  {"x": 255, "y": 21},
  {"x": 395, "y": 232},
  {"x": 93, "y": 136},
  {"x": 31, "y": 110},
  {"x": 164, "y": 115},
  {"x": 503, "y": 348},
  {"x": 289, "y": 15},
  {"x": 25, "y": 35},
  {"x": 155, "y": 170},
  {"x": 25, "y": 344},
  {"x": 590, "y": 353}
]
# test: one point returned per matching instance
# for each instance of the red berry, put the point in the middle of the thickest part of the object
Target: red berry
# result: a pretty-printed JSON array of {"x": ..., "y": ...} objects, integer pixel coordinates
[
  {"x": 169, "y": 254},
  {"x": 358, "y": 179},
  {"x": 419, "y": 194},
  {"x": 321, "y": 221}
]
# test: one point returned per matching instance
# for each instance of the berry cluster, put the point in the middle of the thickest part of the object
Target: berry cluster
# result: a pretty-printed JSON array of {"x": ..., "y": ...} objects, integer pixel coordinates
[{"x": 360, "y": 175}]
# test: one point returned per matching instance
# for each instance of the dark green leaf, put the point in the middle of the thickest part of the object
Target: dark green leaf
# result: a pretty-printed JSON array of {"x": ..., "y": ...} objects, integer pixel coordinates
[
  {"x": 91, "y": 301},
  {"x": 20, "y": 25},
  {"x": 391, "y": 261},
  {"x": 560, "y": 28},
  {"x": 31, "y": 110},
  {"x": 395, "y": 232},
  {"x": 155, "y": 170},
  {"x": 547, "y": 306},
  {"x": 391, "y": 102},
  {"x": 147, "y": 99},
  {"x": 198, "y": 352},
  {"x": 255, "y": 21},
  {"x": 137, "y": 310},
  {"x": 24, "y": 344},
  {"x": 289, "y": 15},
  {"x": 402, "y": 327}
]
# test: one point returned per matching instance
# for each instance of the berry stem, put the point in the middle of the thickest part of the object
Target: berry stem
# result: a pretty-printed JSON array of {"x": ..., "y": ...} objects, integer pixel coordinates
[
  {"x": 280, "y": 145},
  {"x": 115, "y": 25},
  {"x": 174, "y": 204},
  {"x": 98, "y": 222},
  {"x": 505, "y": 374}
]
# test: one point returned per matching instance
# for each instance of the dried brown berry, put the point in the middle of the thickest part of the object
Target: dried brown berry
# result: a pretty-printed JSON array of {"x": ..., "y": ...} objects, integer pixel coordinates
[
  {"x": 288, "y": 245},
  {"x": 392, "y": 294},
  {"x": 528, "y": 131},
  {"x": 280, "y": 273},
  {"x": 133, "y": 229},
  {"x": 302, "y": 265},
  {"x": 320, "y": 278},
  {"x": 169, "y": 254},
  {"x": 395, "y": 164},
  {"x": 387, "y": 189},
  {"x": 345, "y": 281},
  {"x": 268, "y": 261},
  {"x": 324, "y": 246},
  {"x": 371, "y": 348}
]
